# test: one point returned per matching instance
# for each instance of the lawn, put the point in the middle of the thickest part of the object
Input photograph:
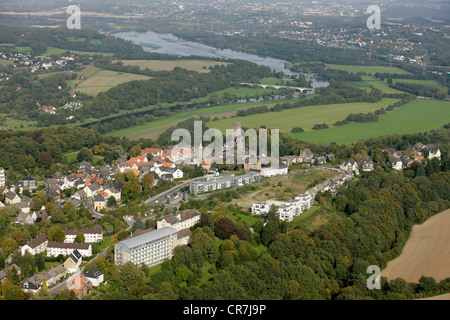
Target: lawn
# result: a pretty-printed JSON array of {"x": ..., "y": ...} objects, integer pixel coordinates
[
  {"x": 249, "y": 220},
  {"x": 304, "y": 117},
  {"x": 417, "y": 116},
  {"x": 169, "y": 65},
  {"x": 367, "y": 69}
]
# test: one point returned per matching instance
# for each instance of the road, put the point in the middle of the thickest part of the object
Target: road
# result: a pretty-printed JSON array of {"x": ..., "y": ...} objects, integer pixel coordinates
[{"x": 161, "y": 197}]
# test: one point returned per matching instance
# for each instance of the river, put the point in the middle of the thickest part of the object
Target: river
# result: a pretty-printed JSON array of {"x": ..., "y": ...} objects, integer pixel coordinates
[{"x": 169, "y": 44}]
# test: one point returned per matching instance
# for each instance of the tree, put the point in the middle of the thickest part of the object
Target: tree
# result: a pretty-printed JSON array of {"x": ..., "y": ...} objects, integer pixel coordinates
[
  {"x": 131, "y": 189},
  {"x": 79, "y": 238},
  {"x": 147, "y": 182},
  {"x": 85, "y": 154},
  {"x": 224, "y": 228},
  {"x": 137, "y": 225},
  {"x": 9, "y": 245},
  {"x": 56, "y": 234},
  {"x": 111, "y": 201},
  {"x": 130, "y": 276},
  {"x": 39, "y": 262},
  {"x": 442, "y": 93},
  {"x": 269, "y": 232},
  {"x": 427, "y": 285},
  {"x": 46, "y": 159}
]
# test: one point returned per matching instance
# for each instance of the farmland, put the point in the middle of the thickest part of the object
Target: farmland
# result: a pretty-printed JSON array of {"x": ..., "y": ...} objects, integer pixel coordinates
[
  {"x": 426, "y": 252},
  {"x": 304, "y": 117},
  {"x": 169, "y": 65},
  {"x": 98, "y": 80},
  {"x": 416, "y": 116}
]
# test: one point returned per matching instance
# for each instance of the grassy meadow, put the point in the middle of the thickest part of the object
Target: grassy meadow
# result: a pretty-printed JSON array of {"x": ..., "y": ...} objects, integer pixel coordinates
[
  {"x": 304, "y": 117},
  {"x": 417, "y": 116},
  {"x": 169, "y": 65},
  {"x": 367, "y": 69}
]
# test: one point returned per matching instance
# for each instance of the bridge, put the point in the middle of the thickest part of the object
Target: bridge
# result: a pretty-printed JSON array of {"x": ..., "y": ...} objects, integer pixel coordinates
[{"x": 276, "y": 86}]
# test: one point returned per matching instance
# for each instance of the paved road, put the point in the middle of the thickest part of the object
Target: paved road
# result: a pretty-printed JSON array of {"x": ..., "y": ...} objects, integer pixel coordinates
[{"x": 161, "y": 197}]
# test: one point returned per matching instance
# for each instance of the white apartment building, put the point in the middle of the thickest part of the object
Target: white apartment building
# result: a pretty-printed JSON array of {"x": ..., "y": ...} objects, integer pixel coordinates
[
  {"x": 150, "y": 248},
  {"x": 2, "y": 177},
  {"x": 183, "y": 220},
  {"x": 35, "y": 246},
  {"x": 286, "y": 209},
  {"x": 65, "y": 249},
  {"x": 270, "y": 171},
  {"x": 91, "y": 235}
]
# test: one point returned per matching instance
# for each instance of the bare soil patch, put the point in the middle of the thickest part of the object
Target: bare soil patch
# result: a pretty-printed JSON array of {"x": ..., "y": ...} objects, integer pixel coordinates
[{"x": 426, "y": 253}]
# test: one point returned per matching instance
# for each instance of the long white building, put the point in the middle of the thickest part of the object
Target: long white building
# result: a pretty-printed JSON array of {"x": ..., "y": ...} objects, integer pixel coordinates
[
  {"x": 150, "y": 248},
  {"x": 2, "y": 177},
  {"x": 286, "y": 209}
]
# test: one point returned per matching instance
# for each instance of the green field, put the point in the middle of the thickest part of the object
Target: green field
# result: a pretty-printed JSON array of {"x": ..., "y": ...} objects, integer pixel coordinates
[
  {"x": 103, "y": 80},
  {"x": 428, "y": 83},
  {"x": 370, "y": 82},
  {"x": 169, "y": 65},
  {"x": 367, "y": 69},
  {"x": 304, "y": 117},
  {"x": 23, "y": 50},
  {"x": 153, "y": 129},
  {"x": 414, "y": 117},
  {"x": 57, "y": 51}
]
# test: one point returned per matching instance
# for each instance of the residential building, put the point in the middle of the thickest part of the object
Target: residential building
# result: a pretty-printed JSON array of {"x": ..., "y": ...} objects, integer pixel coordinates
[
  {"x": 366, "y": 164},
  {"x": 286, "y": 209},
  {"x": 271, "y": 171},
  {"x": 81, "y": 286},
  {"x": 150, "y": 248},
  {"x": 306, "y": 156},
  {"x": 28, "y": 182},
  {"x": 95, "y": 276},
  {"x": 4, "y": 273},
  {"x": 349, "y": 165},
  {"x": 65, "y": 249},
  {"x": 99, "y": 202},
  {"x": 37, "y": 245},
  {"x": 52, "y": 276},
  {"x": 73, "y": 262},
  {"x": 2, "y": 177},
  {"x": 397, "y": 163},
  {"x": 182, "y": 220},
  {"x": 12, "y": 198},
  {"x": 218, "y": 183},
  {"x": 91, "y": 235}
]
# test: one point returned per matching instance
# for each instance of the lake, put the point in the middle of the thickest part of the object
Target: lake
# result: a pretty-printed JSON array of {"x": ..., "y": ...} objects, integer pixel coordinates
[{"x": 169, "y": 44}]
